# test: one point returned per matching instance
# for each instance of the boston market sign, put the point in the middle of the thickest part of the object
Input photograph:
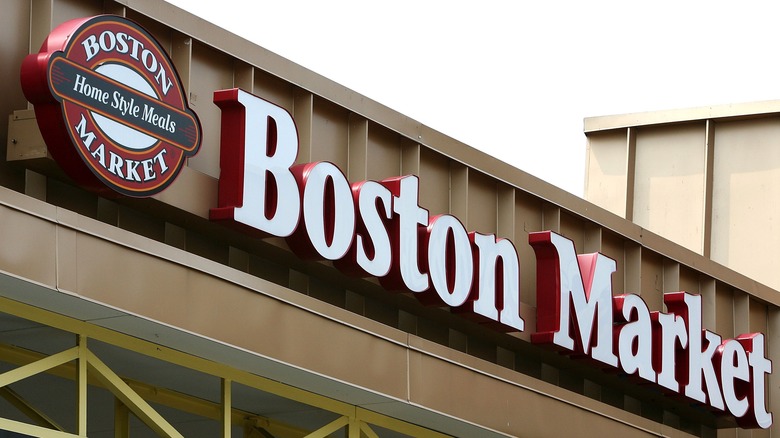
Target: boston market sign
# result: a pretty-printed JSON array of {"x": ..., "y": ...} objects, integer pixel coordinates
[
  {"x": 371, "y": 228},
  {"x": 111, "y": 107},
  {"x": 378, "y": 228}
]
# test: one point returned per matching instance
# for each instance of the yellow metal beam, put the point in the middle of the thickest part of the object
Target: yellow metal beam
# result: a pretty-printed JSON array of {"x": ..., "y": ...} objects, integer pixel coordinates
[
  {"x": 39, "y": 418},
  {"x": 39, "y": 366},
  {"x": 205, "y": 366},
  {"x": 81, "y": 383},
  {"x": 227, "y": 407},
  {"x": 204, "y": 408},
  {"x": 173, "y": 356},
  {"x": 353, "y": 429},
  {"x": 275, "y": 428},
  {"x": 153, "y": 394},
  {"x": 20, "y": 357},
  {"x": 121, "y": 420},
  {"x": 130, "y": 398},
  {"x": 32, "y": 430},
  {"x": 366, "y": 429},
  {"x": 329, "y": 428}
]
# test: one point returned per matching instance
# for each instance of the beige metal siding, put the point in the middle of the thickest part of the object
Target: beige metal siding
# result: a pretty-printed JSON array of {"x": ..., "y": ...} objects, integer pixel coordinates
[
  {"x": 745, "y": 228},
  {"x": 606, "y": 164},
  {"x": 706, "y": 183},
  {"x": 669, "y": 183}
]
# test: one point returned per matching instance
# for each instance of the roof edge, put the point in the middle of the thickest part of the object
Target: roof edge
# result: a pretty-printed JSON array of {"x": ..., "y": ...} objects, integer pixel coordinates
[{"x": 682, "y": 115}]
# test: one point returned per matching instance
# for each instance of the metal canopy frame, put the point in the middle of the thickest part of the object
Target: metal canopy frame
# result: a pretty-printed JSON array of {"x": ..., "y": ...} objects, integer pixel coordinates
[{"x": 81, "y": 367}]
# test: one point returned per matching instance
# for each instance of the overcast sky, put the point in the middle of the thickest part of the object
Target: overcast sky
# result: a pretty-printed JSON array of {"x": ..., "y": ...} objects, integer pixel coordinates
[{"x": 516, "y": 78}]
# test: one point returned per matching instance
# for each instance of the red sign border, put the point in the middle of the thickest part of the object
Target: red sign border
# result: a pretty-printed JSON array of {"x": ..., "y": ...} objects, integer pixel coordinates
[{"x": 62, "y": 140}]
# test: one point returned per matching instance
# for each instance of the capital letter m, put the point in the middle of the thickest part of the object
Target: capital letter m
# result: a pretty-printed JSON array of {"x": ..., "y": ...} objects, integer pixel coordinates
[{"x": 573, "y": 297}]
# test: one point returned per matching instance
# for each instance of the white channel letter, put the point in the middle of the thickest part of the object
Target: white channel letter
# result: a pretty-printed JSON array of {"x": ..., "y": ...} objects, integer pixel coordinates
[
  {"x": 410, "y": 215},
  {"x": 461, "y": 271},
  {"x": 592, "y": 311},
  {"x": 732, "y": 351},
  {"x": 490, "y": 251},
  {"x": 761, "y": 367},
  {"x": 259, "y": 166},
  {"x": 636, "y": 333},
  {"x": 372, "y": 195},
  {"x": 315, "y": 211},
  {"x": 700, "y": 361},
  {"x": 672, "y": 329}
]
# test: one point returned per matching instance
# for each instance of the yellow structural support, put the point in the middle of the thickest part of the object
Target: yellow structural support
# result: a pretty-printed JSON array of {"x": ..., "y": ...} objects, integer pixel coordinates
[
  {"x": 121, "y": 420},
  {"x": 353, "y": 429},
  {"x": 32, "y": 430},
  {"x": 131, "y": 399},
  {"x": 366, "y": 429},
  {"x": 84, "y": 368},
  {"x": 38, "y": 417},
  {"x": 38, "y": 367},
  {"x": 329, "y": 428},
  {"x": 227, "y": 407},
  {"x": 81, "y": 381}
]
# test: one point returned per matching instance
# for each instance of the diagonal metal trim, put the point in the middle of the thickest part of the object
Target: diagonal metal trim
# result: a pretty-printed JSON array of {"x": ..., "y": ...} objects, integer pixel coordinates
[
  {"x": 329, "y": 428},
  {"x": 366, "y": 429},
  {"x": 38, "y": 366},
  {"x": 38, "y": 417},
  {"x": 166, "y": 397},
  {"x": 130, "y": 398},
  {"x": 32, "y": 430}
]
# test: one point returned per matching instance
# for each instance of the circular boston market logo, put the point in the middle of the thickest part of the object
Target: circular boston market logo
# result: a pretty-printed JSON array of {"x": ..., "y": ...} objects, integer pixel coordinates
[{"x": 111, "y": 106}]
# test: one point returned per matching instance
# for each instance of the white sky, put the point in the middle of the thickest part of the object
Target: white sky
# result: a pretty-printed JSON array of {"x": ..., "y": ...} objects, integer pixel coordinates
[{"x": 516, "y": 78}]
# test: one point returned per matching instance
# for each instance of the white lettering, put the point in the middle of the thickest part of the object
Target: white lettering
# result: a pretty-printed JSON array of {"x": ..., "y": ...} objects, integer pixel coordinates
[
  {"x": 497, "y": 285},
  {"x": 409, "y": 217},
  {"x": 700, "y": 366},
  {"x": 374, "y": 204},
  {"x": 673, "y": 334},
  {"x": 81, "y": 86},
  {"x": 136, "y": 46},
  {"x": 635, "y": 338},
  {"x": 121, "y": 42},
  {"x": 762, "y": 367},
  {"x": 115, "y": 165},
  {"x": 379, "y": 228},
  {"x": 328, "y": 211},
  {"x": 149, "y": 60},
  {"x": 574, "y": 289},
  {"x": 100, "y": 154},
  {"x": 131, "y": 171},
  {"x": 733, "y": 367},
  {"x": 86, "y": 137},
  {"x": 268, "y": 141},
  {"x": 128, "y": 169},
  {"x": 450, "y": 261},
  {"x": 149, "y": 174},
  {"x": 109, "y": 41},
  {"x": 160, "y": 159},
  {"x": 91, "y": 46}
]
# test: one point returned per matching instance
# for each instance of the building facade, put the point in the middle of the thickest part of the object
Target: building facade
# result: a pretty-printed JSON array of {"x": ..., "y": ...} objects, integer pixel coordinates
[{"x": 203, "y": 239}]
